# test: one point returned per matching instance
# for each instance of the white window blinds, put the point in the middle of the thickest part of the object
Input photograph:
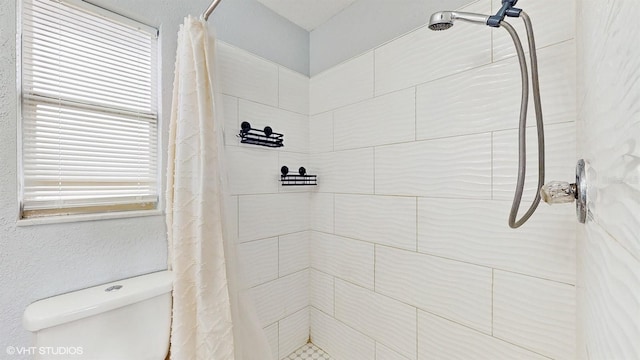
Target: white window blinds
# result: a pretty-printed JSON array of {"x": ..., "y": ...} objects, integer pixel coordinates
[{"x": 89, "y": 110}]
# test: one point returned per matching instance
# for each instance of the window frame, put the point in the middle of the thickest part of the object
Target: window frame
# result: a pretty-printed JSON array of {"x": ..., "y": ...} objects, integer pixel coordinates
[{"x": 61, "y": 217}]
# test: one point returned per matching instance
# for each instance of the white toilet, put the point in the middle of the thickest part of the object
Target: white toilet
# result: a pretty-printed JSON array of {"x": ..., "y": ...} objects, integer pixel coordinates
[{"x": 124, "y": 320}]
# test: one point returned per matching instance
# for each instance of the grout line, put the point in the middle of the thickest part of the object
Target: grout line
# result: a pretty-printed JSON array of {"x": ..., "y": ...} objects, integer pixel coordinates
[
  {"x": 275, "y": 107},
  {"x": 297, "y": 272},
  {"x": 415, "y": 114},
  {"x": 483, "y": 333},
  {"x": 273, "y": 237},
  {"x": 345, "y": 324},
  {"x": 492, "y": 165},
  {"x": 417, "y": 224},
  {"x": 375, "y": 256},
  {"x": 522, "y": 347},
  {"x": 418, "y": 309},
  {"x": 333, "y": 308},
  {"x": 380, "y": 45},
  {"x": 490, "y": 63},
  {"x": 551, "y": 125},
  {"x": 273, "y": 150},
  {"x": 343, "y": 237},
  {"x": 247, "y": 52},
  {"x": 417, "y": 334},
  {"x": 238, "y": 122},
  {"x": 493, "y": 281},
  {"x": 333, "y": 131},
  {"x": 333, "y": 197},
  {"x": 401, "y": 196},
  {"x": 374, "y": 170}
]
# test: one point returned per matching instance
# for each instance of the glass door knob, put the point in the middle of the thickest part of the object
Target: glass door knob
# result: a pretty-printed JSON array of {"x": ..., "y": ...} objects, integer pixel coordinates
[
  {"x": 558, "y": 192},
  {"x": 562, "y": 192}
]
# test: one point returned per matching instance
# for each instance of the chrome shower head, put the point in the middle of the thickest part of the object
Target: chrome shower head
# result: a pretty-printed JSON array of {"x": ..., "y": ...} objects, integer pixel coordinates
[
  {"x": 440, "y": 26},
  {"x": 443, "y": 20}
]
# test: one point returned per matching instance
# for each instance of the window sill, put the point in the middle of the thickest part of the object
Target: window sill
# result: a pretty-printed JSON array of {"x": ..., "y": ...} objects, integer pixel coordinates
[{"x": 88, "y": 217}]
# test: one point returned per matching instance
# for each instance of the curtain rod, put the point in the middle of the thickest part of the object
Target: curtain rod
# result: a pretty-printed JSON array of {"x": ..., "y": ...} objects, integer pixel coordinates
[{"x": 210, "y": 9}]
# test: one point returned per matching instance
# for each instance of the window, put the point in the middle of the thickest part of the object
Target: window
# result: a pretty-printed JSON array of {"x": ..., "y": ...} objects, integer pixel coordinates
[{"x": 89, "y": 122}]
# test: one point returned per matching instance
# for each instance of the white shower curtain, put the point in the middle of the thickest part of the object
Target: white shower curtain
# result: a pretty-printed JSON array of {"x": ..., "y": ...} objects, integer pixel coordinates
[{"x": 212, "y": 316}]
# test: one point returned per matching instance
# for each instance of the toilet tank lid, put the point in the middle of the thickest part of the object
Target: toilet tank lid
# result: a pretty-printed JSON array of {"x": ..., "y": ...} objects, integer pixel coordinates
[{"x": 83, "y": 303}]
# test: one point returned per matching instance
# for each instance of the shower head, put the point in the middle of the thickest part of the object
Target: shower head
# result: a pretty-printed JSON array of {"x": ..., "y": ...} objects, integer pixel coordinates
[{"x": 443, "y": 20}]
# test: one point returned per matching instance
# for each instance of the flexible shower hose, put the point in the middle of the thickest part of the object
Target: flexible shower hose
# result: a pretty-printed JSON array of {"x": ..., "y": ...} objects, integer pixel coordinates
[{"x": 522, "y": 131}]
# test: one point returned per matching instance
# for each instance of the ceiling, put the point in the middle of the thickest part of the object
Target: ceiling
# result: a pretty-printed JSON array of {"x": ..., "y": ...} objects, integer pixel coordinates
[{"x": 308, "y": 14}]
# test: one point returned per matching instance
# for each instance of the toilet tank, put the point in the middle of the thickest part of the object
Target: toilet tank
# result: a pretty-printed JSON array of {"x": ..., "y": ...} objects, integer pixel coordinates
[{"x": 124, "y": 320}]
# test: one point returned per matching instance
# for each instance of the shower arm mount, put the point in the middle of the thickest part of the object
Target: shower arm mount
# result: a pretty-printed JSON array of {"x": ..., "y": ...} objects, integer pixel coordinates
[{"x": 507, "y": 9}]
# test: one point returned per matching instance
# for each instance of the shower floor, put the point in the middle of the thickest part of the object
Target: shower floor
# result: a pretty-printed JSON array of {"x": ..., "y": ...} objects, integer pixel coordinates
[{"x": 309, "y": 351}]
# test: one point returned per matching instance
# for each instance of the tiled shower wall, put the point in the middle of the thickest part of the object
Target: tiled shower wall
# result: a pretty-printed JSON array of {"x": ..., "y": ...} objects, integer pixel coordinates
[
  {"x": 609, "y": 129},
  {"x": 415, "y": 147},
  {"x": 272, "y": 222}
]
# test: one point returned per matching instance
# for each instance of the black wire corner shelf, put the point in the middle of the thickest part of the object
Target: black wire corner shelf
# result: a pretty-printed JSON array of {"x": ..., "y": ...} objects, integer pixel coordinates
[
  {"x": 300, "y": 179},
  {"x": 264, "y": 137}
]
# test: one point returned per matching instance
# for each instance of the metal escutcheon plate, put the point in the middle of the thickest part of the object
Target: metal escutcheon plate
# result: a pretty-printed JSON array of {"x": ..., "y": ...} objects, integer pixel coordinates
[{"x": 581, "y": 184}]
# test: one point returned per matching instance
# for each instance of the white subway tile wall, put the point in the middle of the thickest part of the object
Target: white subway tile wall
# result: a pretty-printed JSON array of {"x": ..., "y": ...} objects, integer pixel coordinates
[
  {"x": 294, "y": 252},
  {"x": 334, "y": 337},
  {"x": 382, "y": 120},
  {"x": 553, "y": 21},
  {"x": 268, "y": 215},
  {"x": 456, "y": 167},
  {"x": 384, "y": 319},
  {"x": 415, "y": 143},
  {"x": 439, "y": 338},
  {"x": 385, "y": 220},
  {"x": 348, "y": 259},
  {"x": 424, "y": 55},
  {"x": 321, "y": 132},
  {"x": 455, "y": 290},
  {"x": 271, "y": 333},
  {"x": 293, "y": 91},
  {"x": 246, "y": 76},
  {"x": 293, "y": 331},
  {"x": 384, "y": 353},
  {"x": 609, "y": 128},
  {"x": 348, "y": 171},
  {"x": 322, "y": 206},
  {"x": 259, "y": 260},
  {"x": 282, "y": 297},
  {"x": 537, "y": 313},
  {"x": 270, "y": 222},
  {"x": 322, "y": 291},
  {"x": 476, "y": 231},
  {"x": 402, "y": 251},
  {"x": 344, "y": 84}
]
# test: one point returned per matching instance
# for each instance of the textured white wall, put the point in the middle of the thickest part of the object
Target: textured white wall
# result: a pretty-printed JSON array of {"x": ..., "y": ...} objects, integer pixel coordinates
[
  {"x": 609, "y": 131},
  {"x": 416, "y": 152},
  {"x": 45, "y": 260}
]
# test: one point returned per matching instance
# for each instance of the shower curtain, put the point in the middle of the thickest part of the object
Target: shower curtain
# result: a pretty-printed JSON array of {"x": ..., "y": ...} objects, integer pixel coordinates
[{"x": 212, "y": 314}]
